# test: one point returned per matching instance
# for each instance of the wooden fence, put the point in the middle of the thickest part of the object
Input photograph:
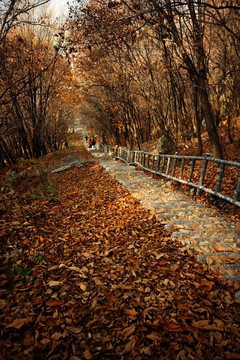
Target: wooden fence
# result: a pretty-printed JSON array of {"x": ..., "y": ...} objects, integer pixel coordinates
[{"x": 214, "y": 176}]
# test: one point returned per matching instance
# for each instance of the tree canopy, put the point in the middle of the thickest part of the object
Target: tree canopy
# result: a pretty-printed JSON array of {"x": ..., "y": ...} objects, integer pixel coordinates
[{"x": 159, "y": 67}]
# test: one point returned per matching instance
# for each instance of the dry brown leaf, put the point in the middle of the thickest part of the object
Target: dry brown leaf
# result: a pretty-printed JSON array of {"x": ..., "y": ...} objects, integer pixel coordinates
[
  {"x": 56, "y": 335},
  {"x": 175, "y": 327},
  {"x": 147, "y": 351},
  {"x": 130, "y": 345},
  {"x": 154, "y": 336},
  {"x": 52, "y": 303},
  {"x": 28, "y": 339},
  {"x": 122, "y": 286},
  {"x": 129, "y": 330},
  {"x": 218, "y": 325},
  {"x": 53, "y": 283},
  {"x": 209, "y": 261},
  {"x": 206, "y": 284},
  {"x": 74, "y": 329},
  {"x": 232, "y": 356},
  {"x": 83, "y": 286},
  {"x": 2, "y": 304},
  {"x": 87, "y": 354},
  {"x": 98, "y": 281},
  {"x": 159, "y": 256},
  {"x": 75, "y": 268},
  {"x": 18, "y": 323},
  {"x": 131, "y": 312}
]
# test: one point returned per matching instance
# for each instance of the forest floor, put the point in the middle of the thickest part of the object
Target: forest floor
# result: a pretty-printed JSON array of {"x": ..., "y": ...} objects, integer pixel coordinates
[{"x": 88, "y": 273}]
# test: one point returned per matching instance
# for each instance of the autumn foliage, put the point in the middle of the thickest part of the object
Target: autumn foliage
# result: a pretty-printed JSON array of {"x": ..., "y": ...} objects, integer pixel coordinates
[
  {"x": 37, "y": 88},
  {"x": 159, "y": 67}
]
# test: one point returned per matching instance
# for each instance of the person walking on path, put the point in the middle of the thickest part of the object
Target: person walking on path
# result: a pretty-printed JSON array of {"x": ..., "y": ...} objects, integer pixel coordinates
[
  {"x": 93, "y": 143},
  {"x": 90, "y": 143}
]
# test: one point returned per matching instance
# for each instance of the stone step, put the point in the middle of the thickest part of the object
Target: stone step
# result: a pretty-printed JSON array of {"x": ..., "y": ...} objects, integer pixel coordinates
[
  {"x": 212, "y": 248},
  {"x": 234, "y": 277},
  {"x": 227, "y": 238},
  {"x": 187, "y": 207},
  {"x": 220, "y": 258},
  {"x": 228, "y": 270},
  {"x": 217, "y": 245},
  {"x": 211, "y": 240},
  {"x": 157, "y": 205},
  {"x": 185, "y": 212},
  {"x": 184, "y": 216},
  {"x": 169, "y": 200},
  {"x": 208, "y": 232},
  {"x": 194, "y": 224}
]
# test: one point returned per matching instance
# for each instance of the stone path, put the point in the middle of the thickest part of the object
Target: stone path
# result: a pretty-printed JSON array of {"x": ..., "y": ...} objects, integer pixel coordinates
[{"x": 214, "y": 238}]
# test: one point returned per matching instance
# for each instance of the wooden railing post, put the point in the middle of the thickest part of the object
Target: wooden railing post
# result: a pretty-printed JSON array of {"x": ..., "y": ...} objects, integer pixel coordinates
[
  {"x": 174, "y": 166},
  {"x": 143, "y": 159},
  {"x": 237, "y": 191},
  {"x": 133, "y": 157},
  {"x": 204, "y": 169},
  {"x": 153, "y": 161},
  {"x": 148, "y": 159},
  {"x": 182, "y": 168},
  {"x": 220, "y": 177},
  {"x": 158, "y": 162},
  {"x": 168, "y": 165},
  {"x": 191, "y": 169},
  {"x": 162, "y": 164}
]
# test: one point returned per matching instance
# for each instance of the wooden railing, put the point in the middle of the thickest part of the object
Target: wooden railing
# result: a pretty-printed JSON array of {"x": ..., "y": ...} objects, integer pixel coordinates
[{"x": 214, "y": 176}]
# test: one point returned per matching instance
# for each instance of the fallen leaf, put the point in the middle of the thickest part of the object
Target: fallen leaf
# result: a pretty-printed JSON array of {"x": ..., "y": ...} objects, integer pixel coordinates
[
  {"x": 209, "y": 261},
  {"x": 232, "y": 356},
  {"x": 98, "y": 281},
  {"x": 83, "y": 286},
  {"x": 2, "y": 304},
  {"x": 147, "y": 351},
  {"x": 18, "y": 323},
  {"x": 75, "y": 268},
  {"x": 206, "y": 325},
  {"x": 56, "y": 335},
  {"x": 52, "y": 303},
  {"x": 37, "y": 301},
  {"x": 154, "y": 336},
  {"x": 55, "y": 283},
  {"x": 175, "y": 327},
  {"x": 28, "y": 339},
  {"x": 158, "y": 256},
  {"x": 206, "y": 284},
  {"x": 131, "y": 312},
  {"x": 74, "y": 329},
  {"x": 130, "y": 345},
  {"x": 87, "y": 355},
  {"x": 129, "y": 330}
]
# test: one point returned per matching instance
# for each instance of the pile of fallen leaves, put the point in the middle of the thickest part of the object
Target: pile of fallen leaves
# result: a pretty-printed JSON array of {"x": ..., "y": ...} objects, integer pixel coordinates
[{"x": 87, "y": 273}]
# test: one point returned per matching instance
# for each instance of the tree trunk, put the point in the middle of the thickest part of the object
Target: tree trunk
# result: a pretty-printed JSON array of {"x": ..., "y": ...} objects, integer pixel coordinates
[
  {"x": 198, "y": 119},
  {"x": 217, "y": 149}
]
